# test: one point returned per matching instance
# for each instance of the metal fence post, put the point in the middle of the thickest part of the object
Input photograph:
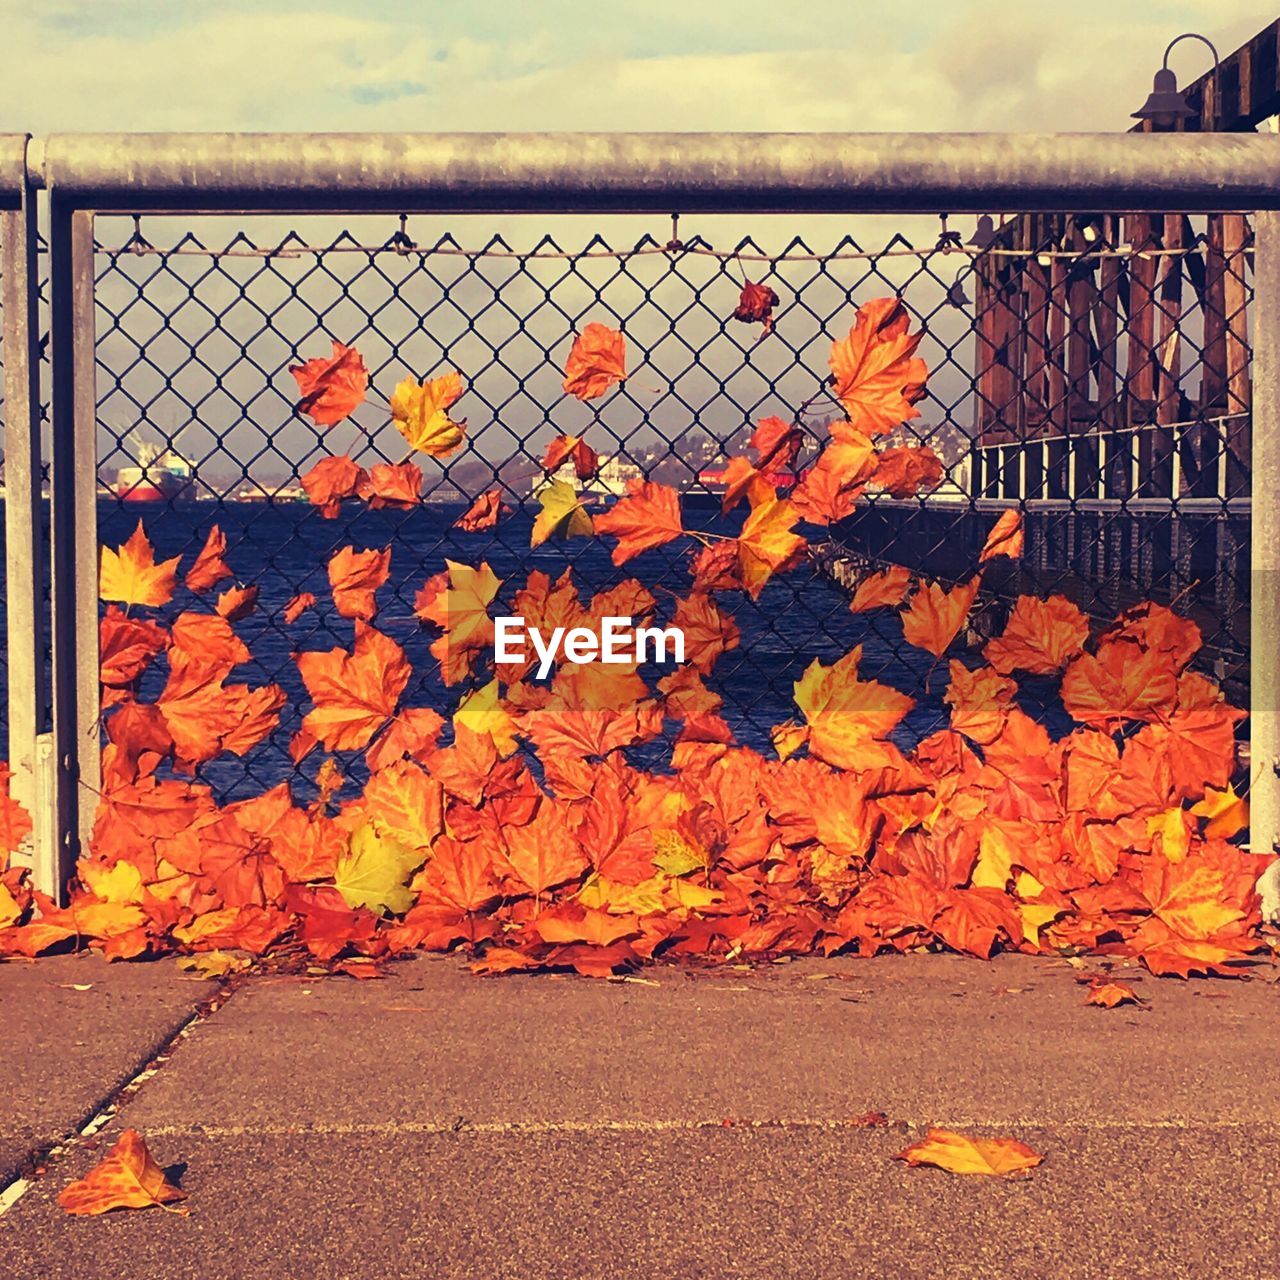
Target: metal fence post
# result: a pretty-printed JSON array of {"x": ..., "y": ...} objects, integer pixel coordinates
[
  {"x": 24, "y": 537},
  {"x": 74, "y": 529},
  {"x": 1264, "y": 711}
]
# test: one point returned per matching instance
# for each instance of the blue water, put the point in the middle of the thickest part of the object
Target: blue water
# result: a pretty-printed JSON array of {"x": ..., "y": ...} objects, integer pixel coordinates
[{"x": 284, "y": 550}]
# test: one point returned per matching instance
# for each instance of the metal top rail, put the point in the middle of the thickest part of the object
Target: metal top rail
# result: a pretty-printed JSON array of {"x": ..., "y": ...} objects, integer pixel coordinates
[{"x": 657, "y": 172}]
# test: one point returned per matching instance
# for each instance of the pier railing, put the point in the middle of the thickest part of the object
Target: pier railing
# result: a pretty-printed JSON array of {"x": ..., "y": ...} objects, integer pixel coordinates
[{"x": 1110, "y": 371}]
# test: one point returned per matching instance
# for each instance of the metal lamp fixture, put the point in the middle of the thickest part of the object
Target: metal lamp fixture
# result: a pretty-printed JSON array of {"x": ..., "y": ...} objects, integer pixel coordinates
[{"x": 1166, "y": 105}]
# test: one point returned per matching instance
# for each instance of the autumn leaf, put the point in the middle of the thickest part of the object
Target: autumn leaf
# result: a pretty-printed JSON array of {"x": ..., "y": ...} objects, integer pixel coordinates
[
  {"x": 419, "y": 411},
  {"x": 1227, "y": 813},
  {"x": 957, "y": 1153},
  {"x": 883, "y": 590},
  {"x": 482, "y": 712},
  {"x": 355, "y": 576},
  {"x": 237, "y": 602},
  {"x": 333, "y": 386},
  {"x": 756, "y": 304},
  {"x": 331, "y": 481},
  {"x": 482, "y": 514},
  {"x": 876, "y": 375},
  {"x": 398, "y": 486},
  {"x": 1119, "y": 683},
  {"x": 845, "y": 713},
  {"x": 904, "y": 471},
  {"x": 355, "y": 693},
  {"x": 209, "y": 568},
  {"x": 15, "y": 821},
  {"x": 1108, "y": 995},
  {"x": 1005, "y": 538},
  {"x": 131, "y": 575},
  {"x": 596, "y": 361},
  {"x": 571, "y": 449},
  {"x": 767, "y": 543},
  {"x": 935, "y": 615},
  {"x": 297, "y": 605},
  {"x": 127, "y": 1178},
  {"x": 776, "y": 442},
  {"x": 374, "y": 872},
  {"x": 563, "y": 514},
  {"x": 648, "y": 517},
  {"x": 1040, "y": 637}
]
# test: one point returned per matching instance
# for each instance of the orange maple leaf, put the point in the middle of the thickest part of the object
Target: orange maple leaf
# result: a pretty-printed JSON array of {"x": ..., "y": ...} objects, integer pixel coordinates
[
  {"x": 1040, "y": 637},
  {"x": 127, "y": 1178},
  {"x": 331, "y": 481},
  {"x": 647, "y": 517},
  {"x": 482, "y": 514},
  {"x": 297, "y": 605},
  {"x": 883, "y": 590},
  {"x": 596, "y": 361},
  {"x": 1118, "y": 683},
  {"x": 575, "y": 449},
  {"x": 877, "y": 376},
  {"x": 1108, "y": 995},
  {"x": 355, "y": 576},
  {"x": 755, "y": 305},
  {"x": 237, "y": 602},
  {"x": 845, "y": 714},
  {"x": 935, "y": 615},
  {"x": 396, "y": 485},
  {"x": 766, "y": 544},
  {"x": 902, "y": 472},
  {"x": 1005, "y": 538},
  {"x": 355, "y": 693},
  {"x": 210, "y": 568},
  {"x": 331, "y": 386},
  {"x": 957, "y": 1153},
  {"x": 131, "y": 575},
  {"x": 707, "y": 631}
]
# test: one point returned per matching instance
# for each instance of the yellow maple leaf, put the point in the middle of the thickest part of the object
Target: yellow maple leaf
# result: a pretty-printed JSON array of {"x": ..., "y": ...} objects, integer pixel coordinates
[
  {"x": 766, "y": 542},
  {"x": 1227, "y": 812},
  {"x": 846, "y": 716},
  {"x": 481, "y": 711},
  {"x": 562, "y": 516},
  {"x": 419, "y": 411},
  {"x": 958, "y": 1153},
  {"x": 131, "y": 575},
  {"x": 374, "y": 872}
]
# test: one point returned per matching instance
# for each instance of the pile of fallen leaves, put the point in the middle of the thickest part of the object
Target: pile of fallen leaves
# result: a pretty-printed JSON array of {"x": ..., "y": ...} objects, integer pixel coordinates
[{"x": 521, "y": 830}]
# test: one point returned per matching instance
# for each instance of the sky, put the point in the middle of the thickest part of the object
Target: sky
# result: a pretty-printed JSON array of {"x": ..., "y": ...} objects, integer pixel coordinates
[
  {"x": 552, "y": 64},
  {"x": 320, "y": 65}
]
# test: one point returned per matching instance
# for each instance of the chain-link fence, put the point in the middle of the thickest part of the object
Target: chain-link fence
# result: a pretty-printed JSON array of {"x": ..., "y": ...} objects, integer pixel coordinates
[
  {"x": 1093, "y": 374},
  {"x": 1091, "y": 371}
]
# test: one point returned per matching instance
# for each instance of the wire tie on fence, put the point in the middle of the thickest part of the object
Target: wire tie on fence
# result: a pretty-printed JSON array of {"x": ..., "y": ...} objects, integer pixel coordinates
[
  {"x": 948, "y": 240},
  {"x": 675, "y": 244},
  {"x": 401, "y": 241},
  {"x": 138, "y": 244}
]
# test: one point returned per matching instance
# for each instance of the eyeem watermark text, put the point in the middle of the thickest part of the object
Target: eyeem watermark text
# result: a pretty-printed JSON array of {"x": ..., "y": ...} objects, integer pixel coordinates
[{"x": 619, "y": 641}]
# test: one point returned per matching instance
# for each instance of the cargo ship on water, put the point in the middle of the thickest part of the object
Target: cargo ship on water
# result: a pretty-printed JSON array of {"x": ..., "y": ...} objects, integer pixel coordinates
[{"x": 161, "y": 475}]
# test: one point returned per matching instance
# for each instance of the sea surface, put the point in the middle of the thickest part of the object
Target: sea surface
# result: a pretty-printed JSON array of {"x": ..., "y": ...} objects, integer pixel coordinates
[{"x": 284, "y": 548}]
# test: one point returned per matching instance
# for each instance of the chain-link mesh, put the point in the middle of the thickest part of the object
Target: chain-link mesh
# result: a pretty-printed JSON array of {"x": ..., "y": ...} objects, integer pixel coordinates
[{"x": 1092, "y": 371}]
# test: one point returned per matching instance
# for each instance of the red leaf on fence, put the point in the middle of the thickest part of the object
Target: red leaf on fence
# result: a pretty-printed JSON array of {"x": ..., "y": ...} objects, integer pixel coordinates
[
  {"x": 756, "y": 304},
  {"x": 131, "y": 575},
  {"x": 237, "y": 603},
  {"x": 876, "y": 374},
  {"x": 387, "y": 485},
  {"x": 904, "y": 471},
  {"x": 1040, "y": 637},
  {"x": 776, "y": 442},
  {"x": 647, "y": 517},
  {"x": 126, "y": 648},
  {"x": 482, "y": 514},
  {"x": 1120, "y": 683},
  {"x": 884, "y": 590},
  {"x": 331, "y": 481},
  {"x": 355, "y": 576},
  {"x": 332, "y": 386},
  {"x": 767, "y": 545},
  {"x": 15, "y": 821},
  {"x": 574, "y": 449},
  {"x": 210, "y": 568},
  {"x": 297, "y": 606},
  {"x": 596, "y": 361},
  {"x": 1005, "y": 538},
  {"x": 935, "y": 615},
  {"x": 355, "y": 693},
  {"x": 708, "y": 632}
]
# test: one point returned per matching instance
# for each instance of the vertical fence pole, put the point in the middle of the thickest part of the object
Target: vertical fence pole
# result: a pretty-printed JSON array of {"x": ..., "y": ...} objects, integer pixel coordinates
[
  {"x": 1264, "y": 646},
  {"x": 74, "y": 529},
  {"x": 24, "y": 539}
]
